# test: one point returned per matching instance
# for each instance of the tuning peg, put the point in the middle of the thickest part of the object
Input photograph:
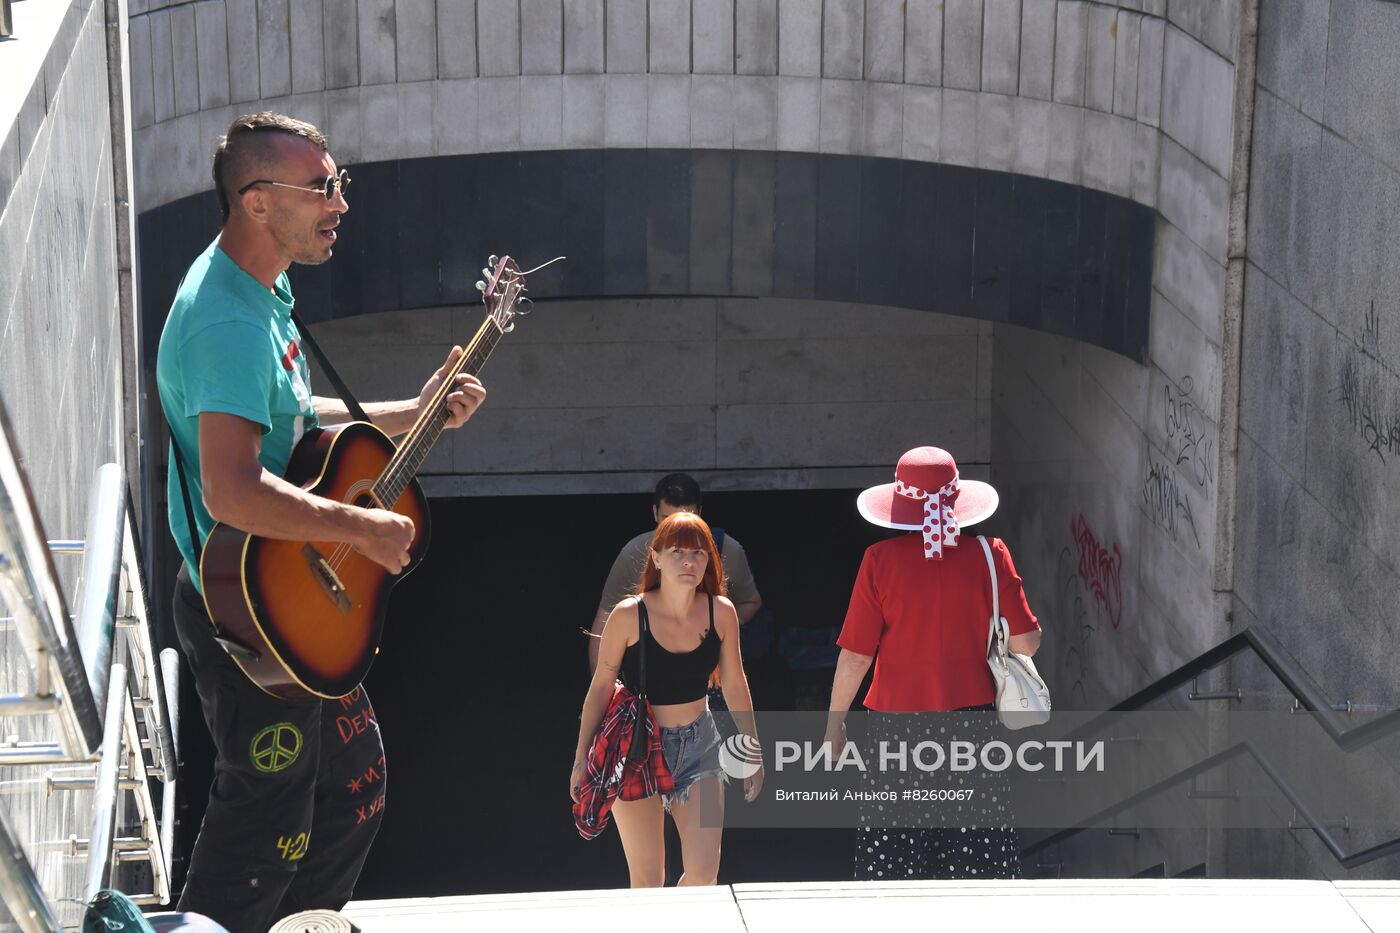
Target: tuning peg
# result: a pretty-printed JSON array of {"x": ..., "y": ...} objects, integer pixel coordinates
[
  {"x": 481, "y": 286},
  {"x": 492, "y": 259},
  {"x": 486, "y": 273}
]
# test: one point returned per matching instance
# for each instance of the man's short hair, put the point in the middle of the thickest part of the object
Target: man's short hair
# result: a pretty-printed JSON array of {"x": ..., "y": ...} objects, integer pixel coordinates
[
  {"x": 679, "y": 489},
  {"x": 248, "y": 148}
]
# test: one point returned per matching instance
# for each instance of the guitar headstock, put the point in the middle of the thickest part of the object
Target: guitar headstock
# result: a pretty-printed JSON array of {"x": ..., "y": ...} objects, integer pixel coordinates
[{"x": 502, "y": 290}]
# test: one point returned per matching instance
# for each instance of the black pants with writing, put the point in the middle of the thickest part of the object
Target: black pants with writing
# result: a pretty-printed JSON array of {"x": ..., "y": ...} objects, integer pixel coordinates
[{"x": 297, "y": 795}]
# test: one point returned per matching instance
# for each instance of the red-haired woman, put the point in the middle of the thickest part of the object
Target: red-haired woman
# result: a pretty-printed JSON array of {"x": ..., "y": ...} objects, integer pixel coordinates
[{"x": 691, "y": 626}]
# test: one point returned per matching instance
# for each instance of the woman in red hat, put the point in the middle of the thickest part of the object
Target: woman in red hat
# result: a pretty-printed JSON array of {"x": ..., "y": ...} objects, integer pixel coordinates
[{"x": 920, "y": 611}]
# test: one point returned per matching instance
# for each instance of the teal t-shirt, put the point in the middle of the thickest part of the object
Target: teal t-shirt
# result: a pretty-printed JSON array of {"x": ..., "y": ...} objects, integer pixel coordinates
[{"x": 229, "y": 346}]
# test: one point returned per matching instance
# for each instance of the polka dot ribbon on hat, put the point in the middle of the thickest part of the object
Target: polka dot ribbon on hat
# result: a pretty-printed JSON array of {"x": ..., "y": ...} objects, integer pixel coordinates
[{"x": 940, "y": 525}]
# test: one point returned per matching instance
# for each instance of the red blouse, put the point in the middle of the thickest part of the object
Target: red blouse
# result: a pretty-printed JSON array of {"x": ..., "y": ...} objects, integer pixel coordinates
[{"x": 926, "y": 622}]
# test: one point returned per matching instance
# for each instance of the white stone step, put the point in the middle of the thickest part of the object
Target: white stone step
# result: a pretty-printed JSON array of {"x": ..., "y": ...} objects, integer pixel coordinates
[{"x": 1143, "y": 906}]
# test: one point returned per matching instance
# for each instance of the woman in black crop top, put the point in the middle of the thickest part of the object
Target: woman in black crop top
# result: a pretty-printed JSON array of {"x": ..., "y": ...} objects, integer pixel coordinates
[{"x": 690, "y": 627}]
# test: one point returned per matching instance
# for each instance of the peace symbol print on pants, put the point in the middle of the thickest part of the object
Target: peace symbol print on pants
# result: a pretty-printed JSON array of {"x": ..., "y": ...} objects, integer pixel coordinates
[{"x": 275, "y": 748}]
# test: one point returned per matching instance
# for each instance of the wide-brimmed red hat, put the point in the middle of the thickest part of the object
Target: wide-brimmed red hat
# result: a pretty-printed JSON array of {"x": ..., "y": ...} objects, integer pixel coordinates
[{"x": 929, "y": 496}]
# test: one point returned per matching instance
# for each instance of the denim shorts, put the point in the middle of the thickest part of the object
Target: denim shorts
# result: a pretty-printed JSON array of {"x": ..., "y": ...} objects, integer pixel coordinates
[{"x": 692, "y": 753}]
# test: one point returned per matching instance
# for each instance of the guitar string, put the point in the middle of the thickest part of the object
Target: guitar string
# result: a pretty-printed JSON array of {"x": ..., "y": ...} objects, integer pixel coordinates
[
  {"x": 388, "y": 487},
  {"x": 392, "y": 477},
  {"x": 432, "y": 421},
  {"x": 380, "y": 488}
]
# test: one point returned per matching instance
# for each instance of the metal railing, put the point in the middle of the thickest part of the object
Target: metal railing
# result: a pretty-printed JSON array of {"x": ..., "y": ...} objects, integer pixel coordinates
[
  {"x": 101, "y": 658},
  {"x": 1308, "y": 695},
  {"x": 29, "y": 585}
]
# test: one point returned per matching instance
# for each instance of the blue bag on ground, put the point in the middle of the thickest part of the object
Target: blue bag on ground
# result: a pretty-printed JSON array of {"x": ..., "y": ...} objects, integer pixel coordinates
[{"x": 110, "y": 911}]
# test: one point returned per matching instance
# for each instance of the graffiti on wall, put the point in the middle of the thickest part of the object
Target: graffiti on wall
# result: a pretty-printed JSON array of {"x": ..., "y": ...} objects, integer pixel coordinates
[
  {"x": 1166, "y": 502},
  {"x": 1076, "y": 623},
  {"x": 1090, "y": 597},
  {"x": 1370, "y": 410},
  {"x": 1100, "y": 569},
  {"x": 1190, "y": 460},
  {"x": 1189, "y": 444}
]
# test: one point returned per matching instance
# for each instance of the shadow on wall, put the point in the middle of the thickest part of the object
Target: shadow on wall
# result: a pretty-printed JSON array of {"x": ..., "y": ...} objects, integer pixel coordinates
[{"x": 991, "y": 245}]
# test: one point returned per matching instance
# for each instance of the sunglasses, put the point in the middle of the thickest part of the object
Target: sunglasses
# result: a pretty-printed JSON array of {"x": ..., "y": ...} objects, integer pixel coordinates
[{"x": 327, "y": 189}]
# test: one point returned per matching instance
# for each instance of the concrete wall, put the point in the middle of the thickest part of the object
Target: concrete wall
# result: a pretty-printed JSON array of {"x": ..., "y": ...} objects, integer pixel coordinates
[
  {"x": 1111, "y": 472},
  {"x": 639, "y": 387},
  {"x": 62, "y": 267},
  {"x": 1138, "y": 451},
  {"x": 1320, "y": 418},
  {"x": 1110, "y": 469},
  {"x": 1059, "y": 89}
]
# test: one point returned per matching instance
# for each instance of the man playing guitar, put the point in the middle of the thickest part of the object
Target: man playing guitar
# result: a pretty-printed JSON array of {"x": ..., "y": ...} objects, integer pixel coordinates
[{"x": 297, "y": 795}]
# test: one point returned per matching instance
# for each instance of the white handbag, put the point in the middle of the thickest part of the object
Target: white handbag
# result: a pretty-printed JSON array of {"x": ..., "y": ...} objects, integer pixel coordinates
[{"x": 1022, "y": 697}]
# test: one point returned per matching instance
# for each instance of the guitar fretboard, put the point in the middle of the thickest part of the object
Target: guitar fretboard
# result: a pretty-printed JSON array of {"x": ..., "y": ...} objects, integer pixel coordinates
[{"x": 425, "y": 432}]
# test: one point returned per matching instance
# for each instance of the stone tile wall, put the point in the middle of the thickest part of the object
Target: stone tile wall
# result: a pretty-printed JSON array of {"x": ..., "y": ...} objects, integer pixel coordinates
[
  {"x": 1068, "y": 90},
  {"x": 646, "y": 385},
  {"x": 1108, "y": 469},
  {"x": 1320, "y": 422}
]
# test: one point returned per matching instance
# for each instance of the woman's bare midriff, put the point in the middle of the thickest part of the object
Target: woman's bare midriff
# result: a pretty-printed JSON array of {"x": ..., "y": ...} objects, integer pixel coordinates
[{"x": 679, "y": 714}]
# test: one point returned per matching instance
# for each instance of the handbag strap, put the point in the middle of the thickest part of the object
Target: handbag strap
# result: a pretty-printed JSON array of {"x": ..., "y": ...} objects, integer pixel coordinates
[
  {"x": 643, "y": 628},
  {"x": 995, "y": 624},
  {"x": 346, "y": 395}
]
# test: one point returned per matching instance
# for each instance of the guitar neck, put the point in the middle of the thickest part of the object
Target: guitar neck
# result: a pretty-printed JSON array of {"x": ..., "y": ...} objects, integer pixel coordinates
[{"x": 419, "y": 441}]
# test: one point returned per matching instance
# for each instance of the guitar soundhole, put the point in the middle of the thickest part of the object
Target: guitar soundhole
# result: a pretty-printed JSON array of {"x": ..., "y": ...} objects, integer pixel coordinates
[{"x": 365, "y": 501}]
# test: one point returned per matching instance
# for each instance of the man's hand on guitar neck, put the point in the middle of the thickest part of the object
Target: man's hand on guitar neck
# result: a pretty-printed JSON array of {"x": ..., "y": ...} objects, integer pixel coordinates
[
  {"x": 464, "y": 399},
  {"x": 395, "y": 418}
]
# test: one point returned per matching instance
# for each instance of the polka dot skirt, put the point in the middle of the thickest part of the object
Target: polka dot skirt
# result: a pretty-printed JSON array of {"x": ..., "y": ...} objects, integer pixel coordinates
[{"x": 987, "y": 847}]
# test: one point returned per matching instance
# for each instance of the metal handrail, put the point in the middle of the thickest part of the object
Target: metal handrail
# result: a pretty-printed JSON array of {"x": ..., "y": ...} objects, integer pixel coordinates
[
  {"x": 1298, "y": 681},
  {"x": 170, "y": 675},
  {"x": 96, "y": 619},
  {"x": 1271, "y": 771},
  {"x": 162, "y": 684},
  {"x": 99, "y": 864},
  {"x": 1308, "y": 693},
  {"x": 29, "y": 585}
]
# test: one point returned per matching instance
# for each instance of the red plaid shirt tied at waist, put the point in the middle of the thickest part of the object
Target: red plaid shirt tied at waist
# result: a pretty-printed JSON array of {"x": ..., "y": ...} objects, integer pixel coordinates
[{"x": 613, "y": 770}]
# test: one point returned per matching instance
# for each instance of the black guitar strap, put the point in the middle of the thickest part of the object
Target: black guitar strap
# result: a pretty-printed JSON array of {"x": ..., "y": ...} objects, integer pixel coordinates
[
  {"x": 184, "y": 483},
  {"x": 185, "y": 495},
  {"x": 346, "y": 395}
]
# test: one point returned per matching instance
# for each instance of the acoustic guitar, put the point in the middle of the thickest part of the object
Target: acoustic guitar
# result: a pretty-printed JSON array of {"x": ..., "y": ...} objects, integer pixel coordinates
[{"x": 303, "y": 619}]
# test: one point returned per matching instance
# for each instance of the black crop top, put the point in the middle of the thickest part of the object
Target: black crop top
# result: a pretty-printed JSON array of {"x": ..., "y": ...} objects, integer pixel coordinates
[{"x": 672, "y": 677}]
